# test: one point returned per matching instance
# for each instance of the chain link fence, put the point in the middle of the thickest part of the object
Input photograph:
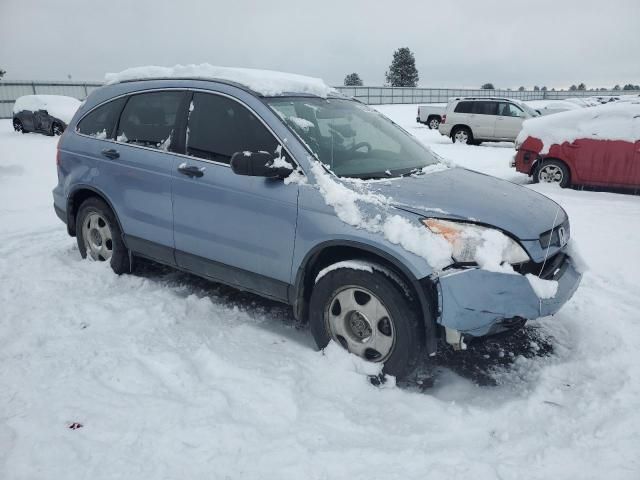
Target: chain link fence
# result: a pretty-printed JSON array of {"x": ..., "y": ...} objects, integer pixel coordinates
[{"x": 10, "y": 91}]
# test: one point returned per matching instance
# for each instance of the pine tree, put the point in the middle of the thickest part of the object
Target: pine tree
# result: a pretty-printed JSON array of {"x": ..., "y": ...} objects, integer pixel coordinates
[
  {"x": 488, "y": 86},
  {"x": 352, "y": 80},
  {"x": 403, "y": 71}
]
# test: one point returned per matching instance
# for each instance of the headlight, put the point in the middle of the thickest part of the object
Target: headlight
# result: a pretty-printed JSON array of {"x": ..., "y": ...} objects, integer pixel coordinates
[{"x": 487, "y": 247}]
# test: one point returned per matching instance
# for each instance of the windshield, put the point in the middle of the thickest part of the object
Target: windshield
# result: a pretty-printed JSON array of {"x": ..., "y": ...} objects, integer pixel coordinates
[
  {"x": 528, "y": 109},
  {"x": 352, "y": 138}
]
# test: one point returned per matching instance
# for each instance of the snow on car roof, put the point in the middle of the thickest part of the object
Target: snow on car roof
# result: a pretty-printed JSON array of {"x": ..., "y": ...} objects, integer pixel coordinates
[
  {"x": 613, "y": 121},
  {"x": 265, "y": 82},
  {"x": 57, "y": 106}
]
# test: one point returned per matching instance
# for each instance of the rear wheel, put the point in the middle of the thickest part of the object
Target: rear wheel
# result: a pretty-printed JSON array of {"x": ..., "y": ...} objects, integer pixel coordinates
[
  {"x": 433, "y": 123},
  {"x": 17, "y": 125},
  {"x": 56, "y": 129},
  {"x": 553, "y": 171},
  {"x": 368, "y": 314},
  {"x": 462, "y": 135},
  {"x": 99, "y": 236}
]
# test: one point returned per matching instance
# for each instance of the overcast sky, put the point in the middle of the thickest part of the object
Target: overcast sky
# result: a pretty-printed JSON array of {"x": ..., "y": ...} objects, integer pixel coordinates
[{"x": 461, "y": 43}]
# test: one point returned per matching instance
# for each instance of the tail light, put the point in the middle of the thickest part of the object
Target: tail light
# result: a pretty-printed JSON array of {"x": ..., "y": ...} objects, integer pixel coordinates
[{"x": 444, "y": 119}]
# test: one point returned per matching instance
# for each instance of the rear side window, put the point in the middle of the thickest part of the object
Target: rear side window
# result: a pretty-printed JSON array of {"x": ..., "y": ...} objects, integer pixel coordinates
[
  {"x": 101, "y": 122},
  {"x": 218, "y": 127},
  {"x": 149, "y": 119},
  {"x": 464, "y": 107},
  {"x": 485, "y": 108}
]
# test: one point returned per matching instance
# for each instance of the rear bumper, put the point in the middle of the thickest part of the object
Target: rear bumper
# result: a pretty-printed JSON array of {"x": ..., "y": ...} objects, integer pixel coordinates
[
  {"x": 444, "y": 129},
  {"x": 478, "y": 302}
]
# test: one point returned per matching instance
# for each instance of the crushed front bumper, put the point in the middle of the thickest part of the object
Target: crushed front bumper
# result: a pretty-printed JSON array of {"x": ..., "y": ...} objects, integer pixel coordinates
[{"x": 478, "y": 302}]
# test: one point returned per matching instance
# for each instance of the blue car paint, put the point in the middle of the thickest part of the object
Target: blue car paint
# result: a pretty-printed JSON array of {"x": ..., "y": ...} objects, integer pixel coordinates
[{"x": 266, "y": 227}]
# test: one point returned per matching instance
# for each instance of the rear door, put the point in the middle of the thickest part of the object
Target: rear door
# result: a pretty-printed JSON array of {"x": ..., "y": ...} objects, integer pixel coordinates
[
  {"x": 236, "y": 229},
  {"x": 508, "y": 121},
  {"x": 134, "y": 162},
  {"x": 42, "y": 121},
  {"x": 484, "y": 119}
]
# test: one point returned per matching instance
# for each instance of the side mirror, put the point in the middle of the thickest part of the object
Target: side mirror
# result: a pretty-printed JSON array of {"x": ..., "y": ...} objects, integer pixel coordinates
[{"x": 260, "y": 164}]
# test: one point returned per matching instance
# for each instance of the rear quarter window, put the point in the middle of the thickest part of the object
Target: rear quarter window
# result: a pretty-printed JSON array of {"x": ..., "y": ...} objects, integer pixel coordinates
[
  {"x": 464, "y": 107},
  {"x": 101, "y": 122}
]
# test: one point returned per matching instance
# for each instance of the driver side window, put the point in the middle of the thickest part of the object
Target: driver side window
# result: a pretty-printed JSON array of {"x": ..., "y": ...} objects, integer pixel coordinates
[{"x": 218, "y": 127}]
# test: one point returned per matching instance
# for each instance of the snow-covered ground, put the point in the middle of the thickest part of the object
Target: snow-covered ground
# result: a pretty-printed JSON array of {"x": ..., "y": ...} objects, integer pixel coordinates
[{"x": 173, "y": 377}]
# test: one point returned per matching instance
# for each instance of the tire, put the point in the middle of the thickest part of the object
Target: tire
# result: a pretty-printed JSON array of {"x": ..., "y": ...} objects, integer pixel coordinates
[
  {"x": 433, "y": 123},
  {"x": 397, "y": 338},
  {"x": 17, "y": 126},
  {"x": 552, "y": 171},
  {"x": 462, "y": 135},
  {"x": 99, "y": 236},
  {"x": 56, "y": 129}
]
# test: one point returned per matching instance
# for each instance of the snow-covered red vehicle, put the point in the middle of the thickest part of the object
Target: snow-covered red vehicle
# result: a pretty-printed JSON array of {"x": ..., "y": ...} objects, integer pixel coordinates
[{"x": 597, "y": 146}]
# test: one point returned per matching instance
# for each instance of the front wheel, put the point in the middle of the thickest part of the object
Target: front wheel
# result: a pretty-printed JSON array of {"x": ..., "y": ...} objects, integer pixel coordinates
[
  {"x": 368, "y": 314},
  {"x": 17, "y": 125},
  {"x": 57, "y": 129},
  {"x": 553, "y": 171},
  {"x": 99, "y": 236}
]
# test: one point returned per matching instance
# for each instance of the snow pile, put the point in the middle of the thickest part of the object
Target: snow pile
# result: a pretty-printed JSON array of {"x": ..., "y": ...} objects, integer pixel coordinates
[
  {"x": 265, "y": 82},
  {"x": 544, "y": 288},
  {"x": 604, "y": 122},
  {"x": 57, "y": 106}
]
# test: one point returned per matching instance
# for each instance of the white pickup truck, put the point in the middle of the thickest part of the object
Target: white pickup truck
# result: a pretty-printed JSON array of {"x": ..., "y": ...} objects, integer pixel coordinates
[{"x": 431, "y": 114}]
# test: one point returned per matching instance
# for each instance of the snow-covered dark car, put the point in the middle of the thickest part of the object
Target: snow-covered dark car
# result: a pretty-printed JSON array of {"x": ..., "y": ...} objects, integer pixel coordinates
[{"x": 48, "y": 114}]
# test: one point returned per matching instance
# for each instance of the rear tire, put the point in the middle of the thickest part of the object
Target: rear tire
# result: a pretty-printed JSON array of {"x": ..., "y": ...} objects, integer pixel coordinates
[
  {"x": 17, "y": 125},
  {"x": 433, "y": 123},
  {"x": 56, "y": 129},
  {"x": 462, "y": 135},
  {"x": 345, "y": 306},
  {"x": 552, "y": 171},
  {"x": 99, "y": 236}
]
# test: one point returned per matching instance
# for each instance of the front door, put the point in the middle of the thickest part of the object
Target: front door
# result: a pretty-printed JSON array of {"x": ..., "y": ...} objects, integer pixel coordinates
[
  {"x": 236, "y": 229},
  {"x": 509, "y": 121}
]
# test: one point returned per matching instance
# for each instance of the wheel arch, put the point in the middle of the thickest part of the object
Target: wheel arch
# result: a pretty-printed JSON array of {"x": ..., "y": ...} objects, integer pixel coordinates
[
  {"x": 78, "y": 195},
  {"x": 459, "y": 126},
  {"x": 333, "y": 251}
]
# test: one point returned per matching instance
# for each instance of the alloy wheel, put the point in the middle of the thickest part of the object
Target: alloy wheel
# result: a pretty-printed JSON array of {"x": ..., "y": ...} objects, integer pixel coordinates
[
  {"x": 360, "y": 322},
  {"x": 461, "y": 136},
  {"x": 550, "y": 174},
  {"x": 97, "y": 237},
  {"x": 434, "y": 123}
]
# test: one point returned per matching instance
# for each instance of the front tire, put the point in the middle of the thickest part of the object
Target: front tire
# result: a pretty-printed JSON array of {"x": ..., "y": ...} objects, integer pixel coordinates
[
  {"x": 462, "y": 135},
  {"x": 370, "y": 315},
  {"x": 56, "y": 129},
  {"x": 552, "y": 171},
  {"x": 99, "y": 236},
  {"x": 17, "y": 125}
]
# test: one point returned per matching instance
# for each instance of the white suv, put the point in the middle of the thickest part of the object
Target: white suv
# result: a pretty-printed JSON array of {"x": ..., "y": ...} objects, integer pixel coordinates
[{"x": 473, "y": 120}]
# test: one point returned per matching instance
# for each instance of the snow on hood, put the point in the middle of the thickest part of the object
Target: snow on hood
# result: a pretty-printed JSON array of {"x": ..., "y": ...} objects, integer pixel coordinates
[
  {"x": 615, "y": 121},
  {"x": 57, "y": 106},
  {"x": 264, "y": 82}
]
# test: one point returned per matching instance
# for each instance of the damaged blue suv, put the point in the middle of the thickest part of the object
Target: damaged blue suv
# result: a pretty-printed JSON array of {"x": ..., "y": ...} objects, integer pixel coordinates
[{"x": 278, "y": 185}]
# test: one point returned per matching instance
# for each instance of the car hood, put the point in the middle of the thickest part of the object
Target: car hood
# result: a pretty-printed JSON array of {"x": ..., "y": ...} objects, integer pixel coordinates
[{"x": 461, "y": 194}]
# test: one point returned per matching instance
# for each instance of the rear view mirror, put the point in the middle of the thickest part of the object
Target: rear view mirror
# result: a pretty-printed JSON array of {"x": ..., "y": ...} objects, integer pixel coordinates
[{"x": 260, "y": 164}]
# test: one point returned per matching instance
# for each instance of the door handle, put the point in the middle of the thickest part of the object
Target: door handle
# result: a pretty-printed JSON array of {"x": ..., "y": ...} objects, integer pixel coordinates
[
  {"x": 191, "y": 170},
  {"x": 111, "y": 153}
]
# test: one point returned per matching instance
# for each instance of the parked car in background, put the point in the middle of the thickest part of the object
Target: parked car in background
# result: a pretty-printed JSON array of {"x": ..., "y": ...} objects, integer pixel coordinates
[
  {"x": 549, "y": 107},
  {"x": 431, "y": 115},
  {"x": 48, "y": 114},
  {"x": 597, "y": 146},
  {"x": 247, "y": 178},
  {"x": 472, "y": 120}
]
